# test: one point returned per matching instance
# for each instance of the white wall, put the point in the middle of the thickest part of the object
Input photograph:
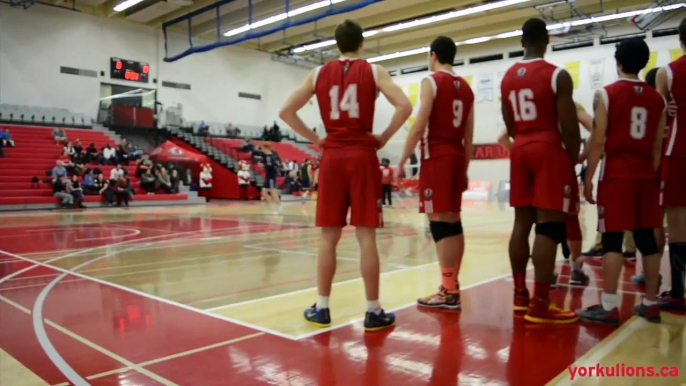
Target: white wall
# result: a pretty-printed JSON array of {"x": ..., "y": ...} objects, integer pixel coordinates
[
  {"x": 34, "y": 43},
  {"x": 488, "y": 119}
]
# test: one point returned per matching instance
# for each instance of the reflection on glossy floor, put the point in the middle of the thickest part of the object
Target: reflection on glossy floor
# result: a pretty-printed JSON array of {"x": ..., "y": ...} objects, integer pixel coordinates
[{"x": 213, "y": 295}]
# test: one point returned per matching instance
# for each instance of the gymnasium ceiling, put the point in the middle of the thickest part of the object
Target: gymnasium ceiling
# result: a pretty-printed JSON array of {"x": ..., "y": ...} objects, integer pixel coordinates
[{"x": 382, "y": 14}]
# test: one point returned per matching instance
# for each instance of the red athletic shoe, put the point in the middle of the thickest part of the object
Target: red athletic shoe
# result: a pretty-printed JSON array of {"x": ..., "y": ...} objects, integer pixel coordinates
[
  {"x": 521, "y": 300},
  {"x": 669, "y": 303},
  {"x": 543, "y": 311}
]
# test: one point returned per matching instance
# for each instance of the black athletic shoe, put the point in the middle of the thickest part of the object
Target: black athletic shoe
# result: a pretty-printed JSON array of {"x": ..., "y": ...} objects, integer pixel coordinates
[
  {"x": 578, "y": 277},
  {"x": 594, "y": 252}
]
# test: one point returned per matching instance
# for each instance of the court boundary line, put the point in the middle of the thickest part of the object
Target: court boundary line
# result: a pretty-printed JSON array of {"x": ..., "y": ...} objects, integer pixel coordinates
[{"x": 78, "y": 381}]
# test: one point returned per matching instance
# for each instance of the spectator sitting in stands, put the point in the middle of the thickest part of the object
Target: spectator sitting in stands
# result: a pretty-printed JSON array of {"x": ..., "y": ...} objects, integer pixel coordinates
[
  {"x": 142, "y": 167},
  {"x": 266, "y": 133},
  {"x": 284, "y": 168},
  {"x": 79, "y": 153},
  {"x": 89, "y": 182},
  {"x": 59, "y": 135},
  {"x": 91, "y": 154},
  {"x": 6, "y": 138},
  {"x": 206, "y": 177},
  {"x": 203, "y": 129},
  {"x": 244, "y": 180},
  {"x": 134, "y": 152},
  {"x": 80, "y": 168},
  {"x": 123, "y": 152},
  {"x": 148, "y": 181},
  {"x": 98, "y": 183},
  {"x": 58, "y": 171},
  {"x": 117, "y": 172},
  {"x": 175, "y": 181},
  {"x": 108, "y": 191},
  {"x": 74, "y": 188},
  {"x": 248, "y": 146},
  {"x": 124, "y": 186},
  {"x": 109, "y": 155},
  {"x": 275, "y": 133},
  {"x": 163, "y": 181},
  {"x": 231, "y": 130},
  {"x": 59, "y": 190},
  {"x": 120, "y": 191},
  {"x": 69, "y": 150}
]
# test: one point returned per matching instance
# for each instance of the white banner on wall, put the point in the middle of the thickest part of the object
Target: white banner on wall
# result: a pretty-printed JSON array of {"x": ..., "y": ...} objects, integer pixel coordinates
[
  {"x": 485, "y": 88},
  {"x": 595, "y": 68}
]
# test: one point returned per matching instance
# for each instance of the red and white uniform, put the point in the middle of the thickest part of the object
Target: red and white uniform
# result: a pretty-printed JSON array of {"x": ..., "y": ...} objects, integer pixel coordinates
[
  {"x": 346, "y": 91},
  {"x": 674, "y": 161},
  {"x": 443, "y": 174},
  {"x": 628, "y": 198},
  {"x": 386, "y": 175},
  {"x": 541, "y": 173}
]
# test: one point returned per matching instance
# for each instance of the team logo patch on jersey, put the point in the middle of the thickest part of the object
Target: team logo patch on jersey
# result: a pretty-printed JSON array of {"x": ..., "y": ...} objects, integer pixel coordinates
[
  {"x": 457, "y": 84},
  {"x": 638, "y": 90},
  {"x": 521, "y": 72},
  {"x": 601, "y": 211},
  {"x": 428, "y": 193}
]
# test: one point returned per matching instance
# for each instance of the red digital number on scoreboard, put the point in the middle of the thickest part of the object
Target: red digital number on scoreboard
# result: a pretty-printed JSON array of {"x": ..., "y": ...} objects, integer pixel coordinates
[{"x": 130, "y": 75}]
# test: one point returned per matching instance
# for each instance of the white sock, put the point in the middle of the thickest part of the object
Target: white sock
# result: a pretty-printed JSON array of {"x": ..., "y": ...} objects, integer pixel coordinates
[
  {"x": 322, "y": 302},
  {"x": 649, "y": 303},
  {"x": 374, "y": 306},
  {"x": 609, "y": 301}
]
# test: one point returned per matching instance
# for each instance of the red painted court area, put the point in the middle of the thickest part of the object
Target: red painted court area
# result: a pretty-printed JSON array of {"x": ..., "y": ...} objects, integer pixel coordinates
[{"x": 104, "y": 333}]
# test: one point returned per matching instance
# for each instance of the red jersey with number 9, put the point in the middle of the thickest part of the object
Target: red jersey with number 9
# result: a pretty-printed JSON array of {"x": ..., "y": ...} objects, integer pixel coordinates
[
  {"x": 634, "y": 110},
  {"x": 452, "y": 104},
  {"x": 346, "y": 91},
  {"x": 529, "y": 89}
]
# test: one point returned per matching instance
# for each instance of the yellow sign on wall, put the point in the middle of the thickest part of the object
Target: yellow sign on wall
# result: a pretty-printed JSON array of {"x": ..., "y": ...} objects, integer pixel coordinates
[
  {"x": 468, "y": 78},
  {"x": 652, "y": 63},
  {"x": 573, "y": 70},
  {"x": 413, "y": 94}
]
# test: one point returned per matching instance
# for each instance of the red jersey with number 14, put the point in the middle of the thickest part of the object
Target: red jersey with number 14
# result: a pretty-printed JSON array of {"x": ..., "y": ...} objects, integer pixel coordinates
[
  {"x": 676, "y": 80},
  {"x": 346, "y": 91},
  {"x": 452, "y": 104},
  {"x": 529, "y": 88},
  {"x": 634, "y": 110}
]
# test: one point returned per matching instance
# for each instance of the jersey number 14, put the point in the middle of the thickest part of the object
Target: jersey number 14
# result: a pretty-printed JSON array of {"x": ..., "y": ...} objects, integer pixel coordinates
[{"x": 348, "y": 103}]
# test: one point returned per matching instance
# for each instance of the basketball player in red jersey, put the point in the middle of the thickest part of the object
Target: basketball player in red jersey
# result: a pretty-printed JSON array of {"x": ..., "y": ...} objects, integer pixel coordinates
[
  {"x": 346, "y": 90},
  {"x": 540, "y": 116},
  {"x": 629, "y": 122},
  {"x": 445, "y": 125},
  {"x": 671, "y": 83}
]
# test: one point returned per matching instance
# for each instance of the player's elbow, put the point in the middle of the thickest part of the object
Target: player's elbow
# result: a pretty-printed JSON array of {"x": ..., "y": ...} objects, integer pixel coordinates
[
  {"x": 284, "y": 113},
  {"x": 404, "y": 108}
]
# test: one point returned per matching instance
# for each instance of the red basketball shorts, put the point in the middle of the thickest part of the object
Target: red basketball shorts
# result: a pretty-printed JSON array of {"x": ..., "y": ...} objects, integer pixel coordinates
[
  {"x": 441, "y": 183},
  {"x": 628, "y": 204},
  {"x": 349, "y": 179},
  {"x": 673, "y": 184},
  {"x": 542, "y": 176}
]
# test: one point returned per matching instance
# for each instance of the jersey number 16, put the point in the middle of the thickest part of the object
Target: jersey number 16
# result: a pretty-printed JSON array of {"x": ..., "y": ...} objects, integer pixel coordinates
[{"x": 523, "y": 105}]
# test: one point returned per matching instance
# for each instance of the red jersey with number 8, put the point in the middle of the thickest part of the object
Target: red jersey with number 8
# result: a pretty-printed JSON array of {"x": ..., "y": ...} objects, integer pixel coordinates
[
  {"x": 452, "y": 104},
  {"x": 634, "y": 111},
  {"x": 529, "y": 88},
  {"x": 346, "y": 91}
]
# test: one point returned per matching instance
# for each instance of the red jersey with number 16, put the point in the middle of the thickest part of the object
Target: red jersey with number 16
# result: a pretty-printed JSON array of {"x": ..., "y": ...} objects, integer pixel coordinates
[
  {"x": 676, "y": 80},
  {"x": 452, "y": 104},
  {"x": 529, "y": 88},
  {"x": 346, "y": 91},
  {"x": 634, "y": 110}
]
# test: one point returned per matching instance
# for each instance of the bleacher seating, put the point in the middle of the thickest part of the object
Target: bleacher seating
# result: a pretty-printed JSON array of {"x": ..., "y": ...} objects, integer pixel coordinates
[
  {"x": 36, "y": 152},
  {"x": 42, "y": 115}
]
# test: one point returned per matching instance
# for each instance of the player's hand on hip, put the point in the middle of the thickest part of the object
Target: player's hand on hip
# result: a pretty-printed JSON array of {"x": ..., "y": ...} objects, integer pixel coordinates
[
  {"x": 588, "y": 192},
  {"x": 671, "y": 108},
  {"x": 320, "y": 143},
  {"x": 380, "y": 141}
]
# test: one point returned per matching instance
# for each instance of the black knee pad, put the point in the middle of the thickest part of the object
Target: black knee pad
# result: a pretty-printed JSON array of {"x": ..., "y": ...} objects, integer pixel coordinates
[
  {"x": 441, "y": 229},
  {"x": 554, "y": 230},
  {"x": 646, "y": 242},
  {"x": 612, "y": 241}
]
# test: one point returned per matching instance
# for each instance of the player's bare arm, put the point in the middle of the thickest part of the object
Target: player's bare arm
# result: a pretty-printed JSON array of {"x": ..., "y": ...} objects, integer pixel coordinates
[
  {"x": 504, "y": 140},
  {"x": 657, "y": 145},
  {"x": 296, "y": 101},
  {"x": 661, "y": 83},
  {"x": 396, "y": 96},
  {"x": 596, "y": 143},
  {"x": 469, "y": 141},
  {"x": 420, "y": 124},
  {"x": 585, "y": 118},
  {"x": 566, "y": 110},
  {"x": 508, "y": 118}
]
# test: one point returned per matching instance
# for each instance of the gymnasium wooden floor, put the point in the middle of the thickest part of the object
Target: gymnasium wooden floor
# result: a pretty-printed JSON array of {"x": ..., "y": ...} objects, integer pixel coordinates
[{"x": 213, "y": 295}]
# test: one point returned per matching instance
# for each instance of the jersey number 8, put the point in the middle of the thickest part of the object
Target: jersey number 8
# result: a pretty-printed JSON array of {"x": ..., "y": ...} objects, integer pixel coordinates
[
  {"x": 348, "y": 104},
  {"x": 639, "y": 121},
  {"x": 522, "y": 105}
]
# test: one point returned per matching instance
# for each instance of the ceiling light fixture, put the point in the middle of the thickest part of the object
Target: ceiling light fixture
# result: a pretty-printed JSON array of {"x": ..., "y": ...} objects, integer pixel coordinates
[
  {"x": 505, "y": 35},
  {"x": 277, "y": 18},
  {"x": 126, "y": 5},
  {"x": 419, "y": 22}
]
